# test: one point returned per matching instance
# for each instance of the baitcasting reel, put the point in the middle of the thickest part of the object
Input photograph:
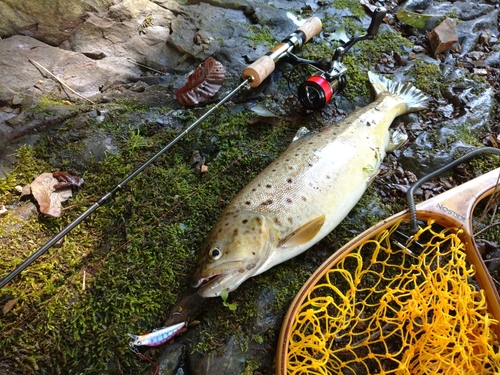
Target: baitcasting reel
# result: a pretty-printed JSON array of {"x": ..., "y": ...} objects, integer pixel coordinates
[{"x": 317, "y": 90}]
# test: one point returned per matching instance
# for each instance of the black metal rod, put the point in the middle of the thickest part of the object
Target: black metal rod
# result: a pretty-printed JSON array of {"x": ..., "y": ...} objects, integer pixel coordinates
[
  {"x": 110, "y": 194},
  {"x": 411, "y": 191}
]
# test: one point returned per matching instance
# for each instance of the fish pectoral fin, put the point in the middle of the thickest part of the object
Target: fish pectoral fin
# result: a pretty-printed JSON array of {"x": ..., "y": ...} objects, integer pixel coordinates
[
  {"x": 303, "y": 234},
  {"x": 372, "y": 178}
]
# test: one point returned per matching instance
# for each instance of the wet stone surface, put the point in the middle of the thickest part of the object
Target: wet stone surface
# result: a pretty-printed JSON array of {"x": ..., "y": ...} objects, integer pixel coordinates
[{"x": 104, "y": 59}]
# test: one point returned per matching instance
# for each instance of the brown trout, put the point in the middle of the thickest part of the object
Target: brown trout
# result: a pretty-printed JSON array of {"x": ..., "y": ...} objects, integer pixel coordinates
[{"x": 304, "y": 194}]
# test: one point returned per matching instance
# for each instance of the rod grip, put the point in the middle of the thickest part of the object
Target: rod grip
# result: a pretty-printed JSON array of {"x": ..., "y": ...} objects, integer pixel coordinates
[
  {"x": 259, "y": 70},
  {"x": 311, "y": 28}
]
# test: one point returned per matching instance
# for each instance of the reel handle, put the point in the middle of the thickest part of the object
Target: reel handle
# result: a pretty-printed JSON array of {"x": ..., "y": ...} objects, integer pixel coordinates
[
  {"x": 377, "y": 19},
  {"x": 259, "y": 70}
]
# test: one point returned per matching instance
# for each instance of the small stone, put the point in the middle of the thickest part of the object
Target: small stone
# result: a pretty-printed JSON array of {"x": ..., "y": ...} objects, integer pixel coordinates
[
  {"x": 204, "y": 169},
  {"x": 481, "y": 72},
  {"x": 443, "y": 36},
  {"x": 18, "y": 189}
]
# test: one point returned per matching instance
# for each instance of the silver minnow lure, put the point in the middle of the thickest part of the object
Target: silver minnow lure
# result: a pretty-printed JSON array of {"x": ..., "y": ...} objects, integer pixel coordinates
[{"x": 157, "y": 337}]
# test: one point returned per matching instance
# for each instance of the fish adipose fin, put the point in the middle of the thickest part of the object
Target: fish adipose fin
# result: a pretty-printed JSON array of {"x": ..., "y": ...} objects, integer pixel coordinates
[
  {"x": 303, "y": 234},
  {"x": 414, "y": 98}
]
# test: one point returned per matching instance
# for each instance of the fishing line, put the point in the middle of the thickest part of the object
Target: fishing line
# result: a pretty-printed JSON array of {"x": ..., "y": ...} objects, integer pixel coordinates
[{"x": 77, "y": 277}]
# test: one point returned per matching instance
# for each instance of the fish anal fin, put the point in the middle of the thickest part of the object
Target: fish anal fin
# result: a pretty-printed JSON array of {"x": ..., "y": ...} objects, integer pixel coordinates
[
  {"x": 303, "y": 234},
  {"x": 397, "y": 139}
]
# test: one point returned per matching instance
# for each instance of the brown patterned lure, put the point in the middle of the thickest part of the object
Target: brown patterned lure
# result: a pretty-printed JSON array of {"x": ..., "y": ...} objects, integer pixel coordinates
[{"x": 202, "y": 84}]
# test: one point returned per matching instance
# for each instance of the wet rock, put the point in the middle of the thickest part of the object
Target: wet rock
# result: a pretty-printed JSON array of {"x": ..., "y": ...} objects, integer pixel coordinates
[
  {"x": 474, "y": 18},
  {"x": 134, "y": 31},
  {"x": 229, "y": 359},
  {"x": 443, "y": 36},
  {"x": 46, "y": 20},
  {"x": 79, "y": 72},
  {"x": 473, "y": 107},
  {"x": 170, "y": 360}
]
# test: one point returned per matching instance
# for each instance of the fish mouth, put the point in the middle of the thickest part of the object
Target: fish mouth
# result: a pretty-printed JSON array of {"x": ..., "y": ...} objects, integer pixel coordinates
[
  {"x": 199, "y": 283},
  {"x": 215, "y": 283}
]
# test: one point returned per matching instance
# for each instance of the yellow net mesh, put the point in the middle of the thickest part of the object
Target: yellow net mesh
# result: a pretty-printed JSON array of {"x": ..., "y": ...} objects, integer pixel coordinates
[{"x": 389, "y": 308}]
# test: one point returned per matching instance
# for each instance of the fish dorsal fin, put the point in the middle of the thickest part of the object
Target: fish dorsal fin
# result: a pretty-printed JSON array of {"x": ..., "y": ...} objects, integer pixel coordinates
[{"x": 303, "y": 234}]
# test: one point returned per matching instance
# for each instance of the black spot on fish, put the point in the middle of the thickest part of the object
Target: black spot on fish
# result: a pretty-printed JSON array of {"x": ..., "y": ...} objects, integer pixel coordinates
[
  {"x": 268, "y": 186},
  {"x": 235, "y": 232},
  {"x": 304, "y": 199},
  {"x": 328, "y": 177},
  {"x": 226, "y": 224},
  {"x": 290, "y": 220},
  {"x": 245, "y": 221},
  {"x": 277, "y": 221},
  {"x": 289, "y": 180},
  {"x": 247, "y": 203},
  {"x": 296, "y": 154},
  {"x": 288, "y": 200},
  {"x": 220, "y": 230},
  {"x": 254, "y": 189},
  {"x": 253, "y": 253},
  {"x": 273, "y": 170}
]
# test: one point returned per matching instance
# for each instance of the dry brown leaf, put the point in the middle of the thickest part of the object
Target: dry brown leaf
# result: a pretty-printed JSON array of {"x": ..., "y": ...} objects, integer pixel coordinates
[
  {"x": 49, "y": 200},
  {"x": 9, "y": 305},
  {"x": 202, "y": 84}
]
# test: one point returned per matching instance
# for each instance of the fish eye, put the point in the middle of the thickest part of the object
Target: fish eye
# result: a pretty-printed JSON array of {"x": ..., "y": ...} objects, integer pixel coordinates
[{"x": 215, "y": 253}]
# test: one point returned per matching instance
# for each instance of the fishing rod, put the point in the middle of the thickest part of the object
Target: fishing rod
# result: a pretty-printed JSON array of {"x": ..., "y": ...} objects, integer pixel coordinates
[{"x": 253, "y": 76}]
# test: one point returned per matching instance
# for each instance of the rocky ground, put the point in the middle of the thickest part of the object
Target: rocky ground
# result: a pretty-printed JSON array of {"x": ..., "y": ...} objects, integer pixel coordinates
[{"x": 125, "y": 60}]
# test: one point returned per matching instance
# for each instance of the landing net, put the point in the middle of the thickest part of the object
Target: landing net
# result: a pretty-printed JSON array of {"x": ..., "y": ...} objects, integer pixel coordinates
[{"x": 391, "y": 307}]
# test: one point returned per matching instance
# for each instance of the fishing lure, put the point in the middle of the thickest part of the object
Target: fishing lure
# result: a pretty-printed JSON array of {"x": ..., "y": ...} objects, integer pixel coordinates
[{"x": 158, "y": 337}]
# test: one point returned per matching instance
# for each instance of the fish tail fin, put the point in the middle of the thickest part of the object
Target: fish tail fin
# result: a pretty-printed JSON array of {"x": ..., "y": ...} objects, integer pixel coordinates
[{"x": 414, "y": 98}]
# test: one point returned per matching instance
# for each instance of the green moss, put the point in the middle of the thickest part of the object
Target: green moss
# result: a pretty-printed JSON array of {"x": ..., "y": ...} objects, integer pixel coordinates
[
  {"x": 353, "y": 5},
  {"x": 137, "y": 251},
  {"x": 262, "y": 35},
  {"x": 428, "y": 77}
]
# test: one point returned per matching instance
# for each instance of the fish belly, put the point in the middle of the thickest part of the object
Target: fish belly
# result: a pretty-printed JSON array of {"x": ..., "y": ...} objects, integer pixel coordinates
[{"x": 321, "y": 174}]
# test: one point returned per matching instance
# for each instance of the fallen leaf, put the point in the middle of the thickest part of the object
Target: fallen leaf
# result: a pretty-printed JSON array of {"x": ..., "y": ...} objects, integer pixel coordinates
[
  {"x": 49, "y": 200},
  {"x": 261, "y": 110},
  {"x": 202, "y": 84},
  {"x": 415, "y": 19},
  {"x": 9, "y": 305},
  {"x": 67, "y": 180}
]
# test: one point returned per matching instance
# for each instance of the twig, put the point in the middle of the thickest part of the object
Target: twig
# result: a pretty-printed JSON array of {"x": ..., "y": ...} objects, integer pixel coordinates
[
  {"x": 61, "y": 82},
  {"x": 145, "y": 66},
  {"x": 487, "y": 227}
]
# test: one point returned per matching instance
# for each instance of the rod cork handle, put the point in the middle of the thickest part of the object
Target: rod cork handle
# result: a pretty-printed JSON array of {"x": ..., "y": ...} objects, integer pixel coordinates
[
  {"x": 310, "y": 28},
  {"x": 260, "y": 69}
]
